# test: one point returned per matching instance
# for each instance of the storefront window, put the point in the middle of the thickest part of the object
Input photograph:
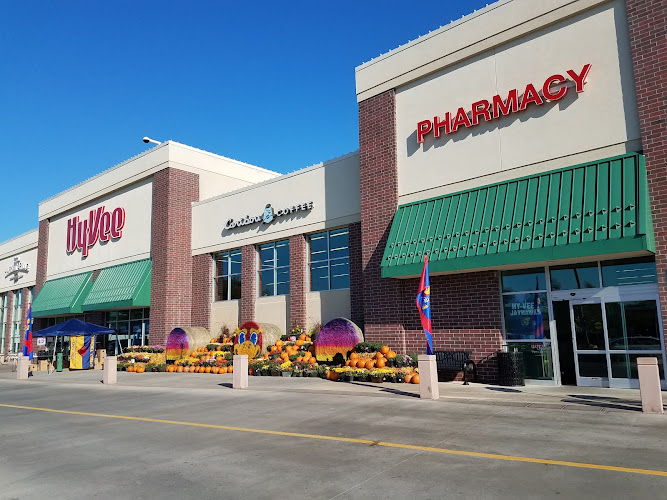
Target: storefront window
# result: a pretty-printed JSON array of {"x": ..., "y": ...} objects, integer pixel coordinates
[
  {"x": 629, "y": 272},
  {"x": 274, "y": 268},
  {"x": 227, "y": 280},
  {"x": 3, "y": 321},
  {"x": 132, "y": 328},
  {"x": 575, "y": 277},
  {"x": 517, "y": 281},
  {"x": 16, "y": 321},
  {"x": 330, "y": 260},
  {"x": 633, "y": 326},
  {"x": 526, "y": 320}
]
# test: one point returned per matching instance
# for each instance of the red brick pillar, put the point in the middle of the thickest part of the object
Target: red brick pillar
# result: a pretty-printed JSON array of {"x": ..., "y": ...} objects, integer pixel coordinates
[
  {"x": 647, "y": 24},
  {"x": 248, "y": 283},
  {"x": 42, "y": 254},
  {"x": 379, "y": 201},
  {"x": 356, "y": 277},
  {"x": 171, "y": 284},
  {"x": 202, "y": 283},
  {"x": 298, "y": 285},
  {"x": 10, "y": 318}
]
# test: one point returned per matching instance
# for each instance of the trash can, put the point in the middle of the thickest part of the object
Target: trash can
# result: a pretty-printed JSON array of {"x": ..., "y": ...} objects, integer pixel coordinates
[
  {"x": 59, "y": 362},
  {"x": 511, "y": 370}
]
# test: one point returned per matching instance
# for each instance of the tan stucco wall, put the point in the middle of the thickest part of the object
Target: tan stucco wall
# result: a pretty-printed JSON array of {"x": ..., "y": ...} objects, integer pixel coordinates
[
  {"x": 602, "y": 121},
  {"x": 134, "y": 244},
  {"x": 274, "y": 310},
  {"x": 322, "y": 307},
  {"x": 332, "y": 186},
  {"x": 224, "y": 313}
]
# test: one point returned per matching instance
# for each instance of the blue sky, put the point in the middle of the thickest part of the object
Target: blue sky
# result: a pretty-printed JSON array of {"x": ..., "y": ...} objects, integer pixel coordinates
[{"x": 268, "y": 83}]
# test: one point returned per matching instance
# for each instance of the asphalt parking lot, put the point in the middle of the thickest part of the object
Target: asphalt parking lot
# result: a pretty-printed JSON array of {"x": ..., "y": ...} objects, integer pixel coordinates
[{"x": 192, "y": 436}]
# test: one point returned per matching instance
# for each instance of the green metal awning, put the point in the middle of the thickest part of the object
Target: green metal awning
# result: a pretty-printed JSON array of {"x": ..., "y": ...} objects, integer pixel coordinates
[
  {"x": 62, "y": 295},
  {"x": 586, "y": 210},
  {"x": 124, "y": 285}
]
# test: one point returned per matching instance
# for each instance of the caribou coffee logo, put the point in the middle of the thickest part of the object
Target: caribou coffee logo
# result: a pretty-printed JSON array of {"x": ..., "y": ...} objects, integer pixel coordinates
[
  {"x": 269, "y": 215},
  {"x": 100, "y": 225},
  {"x": 16, "y": 271}
]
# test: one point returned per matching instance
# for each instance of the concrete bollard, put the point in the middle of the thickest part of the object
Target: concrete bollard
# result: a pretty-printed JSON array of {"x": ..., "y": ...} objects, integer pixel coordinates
[
  {"x": 110, "y": 375},
  {"x": 649, "y": 385},
  {"x": 23, "y": 368},
  {"x": 240, "y": 380},
  {"x": 428, "y": 377}
]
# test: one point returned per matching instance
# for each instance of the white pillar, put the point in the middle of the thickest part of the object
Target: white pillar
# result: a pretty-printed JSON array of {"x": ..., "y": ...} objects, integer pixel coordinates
[
  {"x": 110, "y": 375},
  {"x": 23, "y": 367},
  {"x": 428, "y": 377},
  {"x": 649, "y": 385},
  {"x": 240, "y": 380}
]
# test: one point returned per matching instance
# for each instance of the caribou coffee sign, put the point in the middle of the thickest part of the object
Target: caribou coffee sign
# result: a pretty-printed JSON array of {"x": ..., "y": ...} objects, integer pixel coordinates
[
  {"x": 100, "y": 225},
  {"x": 17, "y": 270},
  {"x": 269, "y": 215},
  {"x": 553, "y": 89}
]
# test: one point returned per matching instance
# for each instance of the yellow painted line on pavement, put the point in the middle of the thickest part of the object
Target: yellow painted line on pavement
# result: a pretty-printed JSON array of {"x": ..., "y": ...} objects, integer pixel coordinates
[{"x": 493, "y": 456}]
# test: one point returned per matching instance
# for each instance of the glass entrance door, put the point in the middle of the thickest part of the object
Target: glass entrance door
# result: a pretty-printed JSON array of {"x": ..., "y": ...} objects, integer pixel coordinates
[
  {"x": 609, "y": 335},
  {"x": 590, "y": 343}
]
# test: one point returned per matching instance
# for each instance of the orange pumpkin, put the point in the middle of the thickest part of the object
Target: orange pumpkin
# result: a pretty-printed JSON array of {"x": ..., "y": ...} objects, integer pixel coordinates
[
  {"x": 381, "y": 363},
  {"x": 208, "y": 369},
  {"x": 302, "y": 336},
  {"x": 266, "y": 355},
  {"x": 279, "y": 343},
  {"x": 193, "y": 354},
  {"x": 384, "y": 349},
  {"x": 215, "y": 369},
  {"x": 222, "y": 369},
  {"x": 408, "y": 378},
  {"x": 299, "y": 343},
  {"x": 354, "y": 355},
  {"x": 230, "y": 369},
  {"x": 130, "y": 368},
  {"x": 370, "y": 364},
  {"x": 299, "y": 359},
  {"x": 141, "y": 369},
  {"x": 179, "y": 369},
  {"x": 284, "y": 356},
  {"x": 347, "y": 363},
  {"x": 308, "y": 339},
  {"x": 415, "y": 378},
  {"x": 391, "y": 354},
  {"x": 219, "y": 348},
  {"x": 334, "y": 376},
  {"x": 312, "y": 361},
  {"x": 251, "y": 371},
  {"x": 379, "y": 355}
]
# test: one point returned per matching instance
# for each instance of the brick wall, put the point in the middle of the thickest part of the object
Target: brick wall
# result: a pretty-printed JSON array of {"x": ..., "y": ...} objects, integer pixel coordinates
[
  {"x": 356, "y": 276},
  {"x": 298, "y": 261},
  {"x": 202, "y": 283},
  {"x": 465, "y": 307},
  {"x": 647, "y": 24},
  {"x": 379, "y": 200},
  {"x": 42, "y": 254},
  {"x": 248, "y": 283},
  {"x": 171, "y": 285}
]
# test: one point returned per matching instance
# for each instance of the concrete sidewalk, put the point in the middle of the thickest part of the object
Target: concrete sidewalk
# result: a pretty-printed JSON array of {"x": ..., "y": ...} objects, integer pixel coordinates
[{"x": 533, "y": 396}]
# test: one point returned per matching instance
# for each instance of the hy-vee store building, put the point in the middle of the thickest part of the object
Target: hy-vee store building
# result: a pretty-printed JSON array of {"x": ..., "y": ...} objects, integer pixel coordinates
[{"x": 522, "y": 148}]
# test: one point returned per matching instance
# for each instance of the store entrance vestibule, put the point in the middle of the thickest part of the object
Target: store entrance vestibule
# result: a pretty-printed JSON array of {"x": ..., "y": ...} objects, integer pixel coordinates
[{"x": 602, "y": 315}]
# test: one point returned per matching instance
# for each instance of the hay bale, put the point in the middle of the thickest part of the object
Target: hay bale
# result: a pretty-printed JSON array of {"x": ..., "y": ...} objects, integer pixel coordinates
[
  {"x": 181, "y": 341},
  {"x": 270, "y": 334},
  {"x": 338, "y": 336}
]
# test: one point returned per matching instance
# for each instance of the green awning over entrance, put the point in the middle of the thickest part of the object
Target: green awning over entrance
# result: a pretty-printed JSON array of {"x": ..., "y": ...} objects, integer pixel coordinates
[
  {"x": 62, "y": 295},
  {"x": 586, "y": 210},
  {"x": 124, "y": 285}
]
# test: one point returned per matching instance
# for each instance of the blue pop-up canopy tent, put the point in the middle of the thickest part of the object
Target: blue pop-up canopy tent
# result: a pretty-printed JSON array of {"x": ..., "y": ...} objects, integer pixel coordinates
[{"x": 73, "y": 327}]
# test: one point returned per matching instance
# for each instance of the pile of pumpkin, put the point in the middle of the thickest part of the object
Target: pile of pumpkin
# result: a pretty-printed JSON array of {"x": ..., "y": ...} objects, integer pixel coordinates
[
  {"x": 136, "y": 368},
  {"x": 215, "y": 358},
  {"x": 301, "y": 350},
  {"x": 378, "y": 361}
]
